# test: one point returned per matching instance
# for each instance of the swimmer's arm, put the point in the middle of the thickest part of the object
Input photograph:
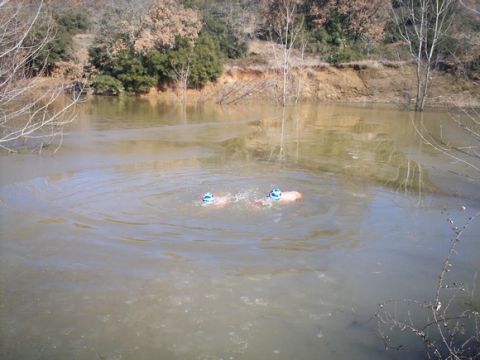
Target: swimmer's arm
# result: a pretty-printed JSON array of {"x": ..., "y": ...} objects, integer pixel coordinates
[{"x": 262, "y": 202}]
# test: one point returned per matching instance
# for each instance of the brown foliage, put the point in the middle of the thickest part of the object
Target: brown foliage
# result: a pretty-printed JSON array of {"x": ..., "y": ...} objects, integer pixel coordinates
[
  {"x": 166, "y": 20},
  {"x": 277, "y": 13},
  {"x": 363, "y": 16},
  {"x": 118, "y": 28},
  {"x": 68, "y": 70}
]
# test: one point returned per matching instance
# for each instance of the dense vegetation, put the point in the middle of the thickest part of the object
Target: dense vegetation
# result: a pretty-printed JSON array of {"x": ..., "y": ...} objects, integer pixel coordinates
[
  {"x": 171, "y": 44},
  {"x": 147, "y": 43},
  {"x": 58, "y": 32}
]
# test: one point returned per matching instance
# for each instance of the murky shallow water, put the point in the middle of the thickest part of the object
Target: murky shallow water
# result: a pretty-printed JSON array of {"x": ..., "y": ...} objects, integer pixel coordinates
[{"x": 106, "y": 252}]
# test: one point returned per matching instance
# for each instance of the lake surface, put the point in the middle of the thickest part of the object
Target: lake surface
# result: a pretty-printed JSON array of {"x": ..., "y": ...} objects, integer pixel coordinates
[{"x": 107, "y": 253}]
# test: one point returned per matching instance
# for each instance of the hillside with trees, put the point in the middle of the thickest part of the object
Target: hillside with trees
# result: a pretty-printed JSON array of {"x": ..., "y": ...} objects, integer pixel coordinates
[{"x": 187, "y": 44}]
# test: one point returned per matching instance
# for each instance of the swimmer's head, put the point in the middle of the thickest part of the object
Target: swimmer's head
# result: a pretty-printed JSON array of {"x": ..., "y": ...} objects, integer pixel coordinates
[
  {"x": 208, "y": 198},
  {"x": 275, "y": 194}
]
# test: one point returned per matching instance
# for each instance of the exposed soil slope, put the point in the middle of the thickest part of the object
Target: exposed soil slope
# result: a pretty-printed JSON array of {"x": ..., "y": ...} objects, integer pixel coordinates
[
  {"x": 259, "y": 76},
  {"x": 373, "y": 82}
]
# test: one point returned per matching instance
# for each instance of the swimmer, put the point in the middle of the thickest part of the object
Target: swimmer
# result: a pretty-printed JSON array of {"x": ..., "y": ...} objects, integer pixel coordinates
[
  {"x": 219, "y": 201},
  {"x": 277, "y": 196}
]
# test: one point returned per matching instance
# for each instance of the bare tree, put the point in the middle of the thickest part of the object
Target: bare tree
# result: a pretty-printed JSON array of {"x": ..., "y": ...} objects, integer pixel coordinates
[
  {"x": 301, "y": 70},
  {"x": 284, "y": 24},
  {"x": 423, "y": 24},
  {"x": 182, "y": 73},
  {"x": 242, "y": 15},
  {"x": 181, "y": 63},
  {"x": 28, "y": 108}
]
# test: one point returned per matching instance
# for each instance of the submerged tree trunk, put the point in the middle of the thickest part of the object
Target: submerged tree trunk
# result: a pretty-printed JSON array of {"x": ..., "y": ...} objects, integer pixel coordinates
[
  {"x": 285, "y": 25},
  {"x": 423, "y": 24}
]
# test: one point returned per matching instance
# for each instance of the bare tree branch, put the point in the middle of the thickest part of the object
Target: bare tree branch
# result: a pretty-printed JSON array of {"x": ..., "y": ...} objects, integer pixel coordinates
[
  {"x": 29, "y": 109},
  {"x": 422, "y": 24},
  {"x": 446, "y": 334}
]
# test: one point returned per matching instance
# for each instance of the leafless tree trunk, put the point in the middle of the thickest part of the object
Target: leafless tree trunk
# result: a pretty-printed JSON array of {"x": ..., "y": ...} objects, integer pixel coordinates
[
  {"x": 182, "y": 73},
  {"x": 286, "y": 27},
  {"x": 288, "y": 35},
  {"x": 423, "y": 24},
  {"x": 27, "y": 110},
  {"x": 301, "y": 71}
]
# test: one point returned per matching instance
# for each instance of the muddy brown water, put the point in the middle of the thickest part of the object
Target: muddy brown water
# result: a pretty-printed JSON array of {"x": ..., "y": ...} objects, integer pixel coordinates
[{"x": 106, "y": 252}]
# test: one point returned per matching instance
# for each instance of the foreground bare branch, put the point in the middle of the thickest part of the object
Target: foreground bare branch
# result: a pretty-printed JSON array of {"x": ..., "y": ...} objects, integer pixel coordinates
[
  {"x": 451, "y": 327},
  {"x": 438, "y": 143},
  {"x": 30, "y": 111}
]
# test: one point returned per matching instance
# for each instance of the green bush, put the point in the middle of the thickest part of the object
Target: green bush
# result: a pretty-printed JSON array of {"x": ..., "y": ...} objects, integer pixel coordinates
[
  {"x": 321, "y": 35},
  {"x": 129, "y": 69},
  {"x": 107, "y": 85},
  {"x": 207, "y": 65},
  {"x": 167, "y": 66},
  {"x": 100, "y": 58},
  {"x": 58, "y": 48},
  {"x": 193, "y": 4},
  {"x": 342, "y": 56},
  {"x": 335, "y": 28},
  {"x": 73, "y": 21},
  {"x": 60, "y": 44},
  {"x": 318, "y": 41},
  {"x": 230, "y": 43},
  {"x": 333, "y": 33},
  {"x": 137, "y": 73},
  {"x": 157, "y": 65},
  {"x": 204, "y": 62}
]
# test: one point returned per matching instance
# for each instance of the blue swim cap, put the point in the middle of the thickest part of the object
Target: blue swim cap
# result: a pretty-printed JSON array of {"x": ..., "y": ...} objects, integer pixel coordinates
[
  {"x": 275, "y": 194},
  {"x": 208, "y": 198}
]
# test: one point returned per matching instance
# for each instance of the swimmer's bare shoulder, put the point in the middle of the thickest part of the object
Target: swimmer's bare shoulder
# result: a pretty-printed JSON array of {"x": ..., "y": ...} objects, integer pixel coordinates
[
  {"x": 276, "y": 196},
  {"x": 221, "y": 201},
  {"x": 291, "y": 196}
]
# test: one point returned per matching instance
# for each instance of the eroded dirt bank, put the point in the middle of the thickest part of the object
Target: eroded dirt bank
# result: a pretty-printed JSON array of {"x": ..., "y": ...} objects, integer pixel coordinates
[
  {"x": 258, "y": 77},
  {"x": 375, "y": 82}
]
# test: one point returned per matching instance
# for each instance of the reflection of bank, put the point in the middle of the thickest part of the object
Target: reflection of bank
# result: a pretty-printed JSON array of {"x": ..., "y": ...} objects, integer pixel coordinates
[
  {"x": 340, "y": 141},
  {"x": 456, "y": 137}
]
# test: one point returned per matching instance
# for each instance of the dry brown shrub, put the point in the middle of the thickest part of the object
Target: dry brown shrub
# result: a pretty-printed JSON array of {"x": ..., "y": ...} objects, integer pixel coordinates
[
  {"x": 166, "y": 20},
  {"x": 364, "y": 16},
  {"x": 68, "y": 70}
]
